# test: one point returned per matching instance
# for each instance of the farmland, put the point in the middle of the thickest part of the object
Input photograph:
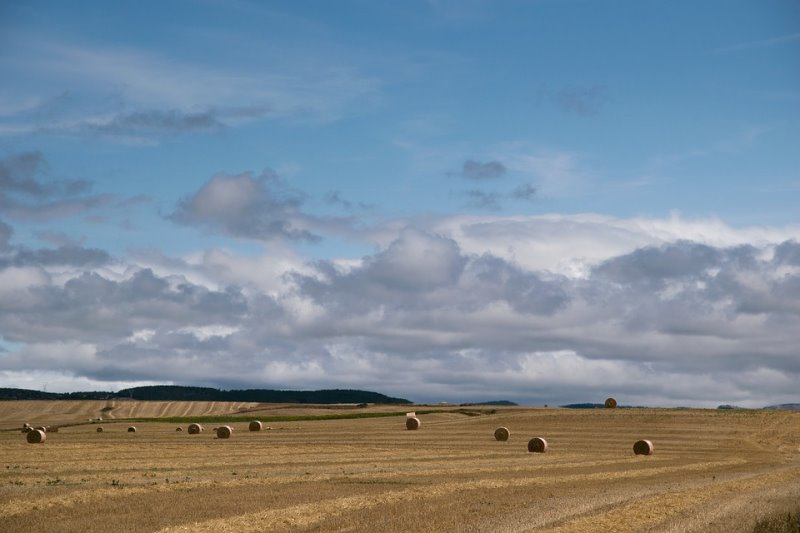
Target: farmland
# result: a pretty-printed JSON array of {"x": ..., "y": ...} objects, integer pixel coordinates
[{"x": 711, "y": 470}]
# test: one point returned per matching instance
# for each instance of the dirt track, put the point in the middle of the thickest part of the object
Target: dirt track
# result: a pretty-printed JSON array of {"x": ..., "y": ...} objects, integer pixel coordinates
[{"x": 711, "y": 471}]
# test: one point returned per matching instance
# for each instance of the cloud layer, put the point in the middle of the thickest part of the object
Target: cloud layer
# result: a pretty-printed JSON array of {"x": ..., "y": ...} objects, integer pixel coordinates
[{"x": 433, "y": 314}]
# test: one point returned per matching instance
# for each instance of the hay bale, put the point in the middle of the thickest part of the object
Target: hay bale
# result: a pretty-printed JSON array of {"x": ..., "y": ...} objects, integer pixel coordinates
[
  {"x": 195, "y": 429},
  {"x": 255, "y": 425},
  {"x": 224, "y": 432},
  {"x": 411, "y": 414},
  {"x": 643, "y": 447},
  {"x": 502, "y": 434},
  {"x": 611, "y": 403},
  {"x": 413, "y": 423},
  {"x": 26, "y": 425},
  {"x": 100, "y": 429},
  {"x": 132, "y": 429},
  {"x": 36, "y": 436},
  {"x": 178, "y": 428},
  {"x": 537, "y": 445},
  {"x": 43, "y": 429}
]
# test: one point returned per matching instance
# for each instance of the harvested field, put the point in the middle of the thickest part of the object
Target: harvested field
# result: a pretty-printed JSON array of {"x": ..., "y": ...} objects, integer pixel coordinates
[
  {"x": 710, "y": 471},
  {"x": 58, "y": 412}
]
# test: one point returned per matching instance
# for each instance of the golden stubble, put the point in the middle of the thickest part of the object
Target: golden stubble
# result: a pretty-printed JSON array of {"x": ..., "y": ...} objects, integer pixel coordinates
[{"x": 450, "y": 475}]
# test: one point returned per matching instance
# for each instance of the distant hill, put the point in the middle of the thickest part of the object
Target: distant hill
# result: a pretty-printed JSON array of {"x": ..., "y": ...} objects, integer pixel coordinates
[
  {"x": 785, "y": 407},
  {"x": 27, "y": 394},
  {"x": 505, "y": 403},
  {"x": 179, "y": 393}
]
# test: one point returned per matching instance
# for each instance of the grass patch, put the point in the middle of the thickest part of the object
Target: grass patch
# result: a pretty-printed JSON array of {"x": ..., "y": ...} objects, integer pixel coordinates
[
  {"x": 370, "y": 482},
  {"x": 216, "y": 419},
  {"x": 779, "y": 523}
]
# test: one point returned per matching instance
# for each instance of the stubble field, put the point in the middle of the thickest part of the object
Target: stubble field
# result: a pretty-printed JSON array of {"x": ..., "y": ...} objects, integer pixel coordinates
[{"x": 711, "y": 470}]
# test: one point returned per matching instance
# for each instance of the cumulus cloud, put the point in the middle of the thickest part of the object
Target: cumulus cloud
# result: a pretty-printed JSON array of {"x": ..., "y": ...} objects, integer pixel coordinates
[
  {"x": 90, "y": 307},
  {"x": 525, "y": 191},
  {"x": 336, "y": 198},
  {"x": 69, "y": 255},
  {"x": 662, "y": 312},
  {"x": 247, "y": 206},
  {"x": 25, "y": 196},
  {"x": 475, "y": 170},
  {"x": 5, "y": 234}
]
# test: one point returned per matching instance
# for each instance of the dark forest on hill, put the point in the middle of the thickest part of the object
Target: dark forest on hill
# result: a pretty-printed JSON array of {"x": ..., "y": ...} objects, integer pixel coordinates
[{"x": 179, "y": 393}]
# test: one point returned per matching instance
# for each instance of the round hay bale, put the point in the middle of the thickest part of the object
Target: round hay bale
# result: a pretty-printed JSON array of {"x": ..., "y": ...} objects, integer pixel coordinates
[
  {"x": 537, "y": 445},
  {"x": 179, "y": 429},
  {"x": 26, "y": 425},
  {"x": 643, "y": 447},
  {"x": 412, "y": 423},
  {"x": 611, "y": 403},
  {"x": 132, "y": 429},
  {"x": 224, "y": 432},
  {"x": 43, "y": 429},
  {"x": 502, "y": 434},
  {"x": 195, "y": 429},
  {"x": 100, "y": 429},
  {"x": 36, "y": 436},
  {"x": 255, "y": 425}
]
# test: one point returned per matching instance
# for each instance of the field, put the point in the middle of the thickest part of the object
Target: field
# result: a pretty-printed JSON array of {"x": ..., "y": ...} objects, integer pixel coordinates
[{"x": 711, "y": 470}]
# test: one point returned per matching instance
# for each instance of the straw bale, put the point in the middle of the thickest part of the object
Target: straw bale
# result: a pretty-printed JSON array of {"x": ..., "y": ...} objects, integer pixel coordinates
[
  {"x": 537, "y": 445},
  {"x": 255, "y": 425},
  {"x": 224, "y": 432},
  {"x": 413, "y": 423},
  {"x": 643, "y": 447},
  {"x": 502, "y": 433},
  {"x": 195, "y": 429},
  {"x": 132, "y": 429},
  {"x": 36, "y": 436},
  {"x": 611, "y": 403}
]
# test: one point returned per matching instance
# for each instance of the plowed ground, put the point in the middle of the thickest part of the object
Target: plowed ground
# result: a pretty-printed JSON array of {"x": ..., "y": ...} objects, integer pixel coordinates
[{"x": 711, "y": 471}]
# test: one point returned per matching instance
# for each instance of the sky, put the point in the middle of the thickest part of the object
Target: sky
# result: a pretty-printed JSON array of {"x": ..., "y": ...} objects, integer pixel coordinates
[{"x": 542, "y": 201}]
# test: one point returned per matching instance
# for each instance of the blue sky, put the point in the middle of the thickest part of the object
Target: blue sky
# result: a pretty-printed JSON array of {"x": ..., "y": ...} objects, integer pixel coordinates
[{"x": 546, "y": 201}]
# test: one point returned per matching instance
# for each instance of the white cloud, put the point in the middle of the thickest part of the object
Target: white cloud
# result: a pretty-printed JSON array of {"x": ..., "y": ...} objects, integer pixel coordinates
[
  {"x": 549, "y": 309},
  {"x": 16, "y": 281},
  {"x": 138, "y": 95}
]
